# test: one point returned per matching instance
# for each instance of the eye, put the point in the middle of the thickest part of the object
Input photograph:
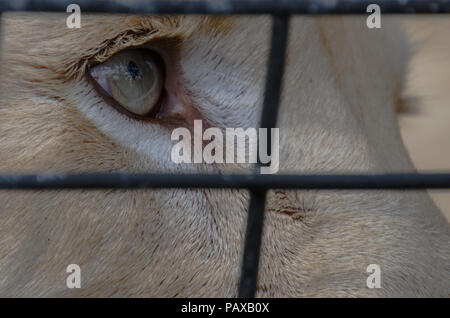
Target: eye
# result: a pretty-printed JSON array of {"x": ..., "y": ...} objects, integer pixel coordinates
[{"x": 134, "y": 79}]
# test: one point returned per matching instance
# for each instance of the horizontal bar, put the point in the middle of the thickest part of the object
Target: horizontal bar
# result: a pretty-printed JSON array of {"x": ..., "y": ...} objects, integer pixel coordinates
[
  {"x": 231, "y": 6},
  {"x": 49, "y": 181}
]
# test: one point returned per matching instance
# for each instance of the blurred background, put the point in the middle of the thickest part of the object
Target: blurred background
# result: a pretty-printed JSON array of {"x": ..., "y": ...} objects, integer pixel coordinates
[{"x": 425, "y": 125}]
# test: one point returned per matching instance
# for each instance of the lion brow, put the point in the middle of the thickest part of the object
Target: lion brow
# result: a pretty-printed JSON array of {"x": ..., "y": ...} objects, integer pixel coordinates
[{"x": 135, "y": 31}]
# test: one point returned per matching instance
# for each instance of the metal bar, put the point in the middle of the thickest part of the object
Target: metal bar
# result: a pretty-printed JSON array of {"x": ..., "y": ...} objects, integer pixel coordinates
[
  {"x": 274, "y": 76},
  {"x": 252, "y": 245},
  {"x": 279, "y": 7},
  {"x": 272, "y": 93},
  {"x": 414, "y": 181}
]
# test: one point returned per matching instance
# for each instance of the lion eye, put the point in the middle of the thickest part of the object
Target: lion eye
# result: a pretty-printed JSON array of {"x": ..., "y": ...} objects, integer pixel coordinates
[{"x": 134, "y": 78}]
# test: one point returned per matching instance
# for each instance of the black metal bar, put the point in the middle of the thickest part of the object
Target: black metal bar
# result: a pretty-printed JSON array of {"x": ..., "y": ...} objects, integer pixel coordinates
[
  {"x": 274, "y": 77},
  {"x": 414, "y": 181},
  {"x": 231, "y": 6},
  {"x": 252, "y": 245},
  {"x": 272, "y": 93}
]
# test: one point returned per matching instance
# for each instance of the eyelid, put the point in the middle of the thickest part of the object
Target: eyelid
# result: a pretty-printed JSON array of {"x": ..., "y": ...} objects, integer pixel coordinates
[{"x": 149, "y": 40}]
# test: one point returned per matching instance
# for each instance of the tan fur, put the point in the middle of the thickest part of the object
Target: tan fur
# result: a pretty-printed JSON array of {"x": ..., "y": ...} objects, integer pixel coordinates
[{"x": 337, "y": 114}]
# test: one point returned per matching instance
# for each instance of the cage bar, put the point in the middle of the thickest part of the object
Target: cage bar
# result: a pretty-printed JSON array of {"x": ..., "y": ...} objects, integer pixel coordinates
[
  {"x": 279, "y": 7},
  {"x": 49, "y": 181},
  {"x": 272, "y": 93}
]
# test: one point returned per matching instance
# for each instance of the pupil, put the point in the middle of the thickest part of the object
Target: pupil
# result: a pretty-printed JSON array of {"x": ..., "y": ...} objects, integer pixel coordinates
[{"x": 133, "y": 70}]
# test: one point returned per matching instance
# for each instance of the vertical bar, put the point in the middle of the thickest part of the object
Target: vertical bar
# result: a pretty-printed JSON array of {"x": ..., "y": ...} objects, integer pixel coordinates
[
  {"x": 274, "y": 76},
  {"x": 255, "y": 222},
  {"x": 255, "y": 219}
]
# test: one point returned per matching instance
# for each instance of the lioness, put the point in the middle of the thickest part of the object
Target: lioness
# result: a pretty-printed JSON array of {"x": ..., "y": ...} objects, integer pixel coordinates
[{"x": 105, "y": 97}]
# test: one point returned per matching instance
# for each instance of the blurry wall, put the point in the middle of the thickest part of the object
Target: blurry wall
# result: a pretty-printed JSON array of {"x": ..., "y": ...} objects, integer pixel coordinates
[{"x": 425, "y": 126}]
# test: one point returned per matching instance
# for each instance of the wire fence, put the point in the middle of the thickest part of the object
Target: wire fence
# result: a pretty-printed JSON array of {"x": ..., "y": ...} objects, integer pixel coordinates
[{"x": 256, "y": 184}]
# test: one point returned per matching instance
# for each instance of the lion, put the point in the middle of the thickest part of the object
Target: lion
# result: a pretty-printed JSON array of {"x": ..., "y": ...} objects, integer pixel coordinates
[{"x": 342, "y": 86}]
